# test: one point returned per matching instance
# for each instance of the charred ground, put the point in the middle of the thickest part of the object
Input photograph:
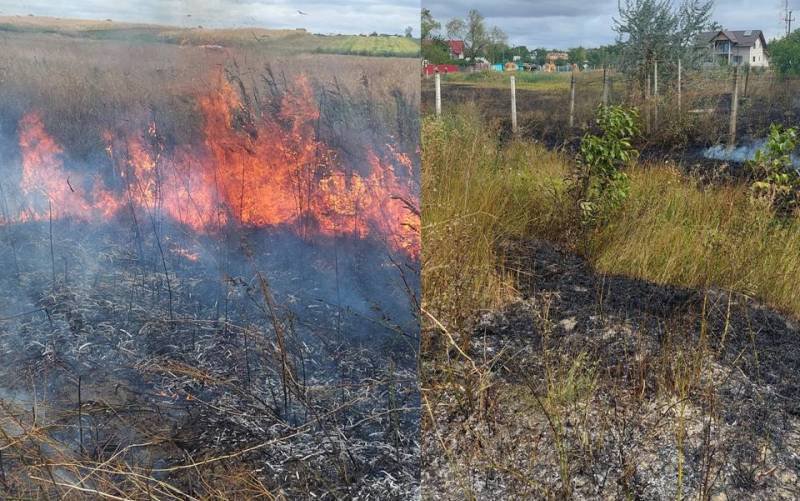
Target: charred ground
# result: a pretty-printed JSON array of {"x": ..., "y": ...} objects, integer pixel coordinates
[{"x": 607, "y": 386}]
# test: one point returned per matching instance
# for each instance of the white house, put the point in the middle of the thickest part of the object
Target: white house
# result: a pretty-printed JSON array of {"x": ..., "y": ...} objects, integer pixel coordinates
[{"x": 736, "y": 47}]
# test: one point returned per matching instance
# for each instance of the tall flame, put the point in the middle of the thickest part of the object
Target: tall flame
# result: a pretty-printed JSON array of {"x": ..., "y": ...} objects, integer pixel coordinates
[{"x": 255, "y": 170}]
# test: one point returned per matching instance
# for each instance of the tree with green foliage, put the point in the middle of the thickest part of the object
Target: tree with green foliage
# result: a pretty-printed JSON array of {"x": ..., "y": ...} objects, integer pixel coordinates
[
  {"x": 577, "y": 55},
  {"x": 497, "y": 50},
  {"x": 651, "y": 30},
  {"x": 784, "y": 55},
  {"x": 477, "y": 37},
  {"x": 472, "y": 31},
  {"x": 604, "y": 56},
  {"x": 456, "y": 29},
  {"x": 520, "y": 51},
  {"x": 429, "y": 26},
  {"x": 539, "y": 55},
  {"x": 436, "y": 51}
]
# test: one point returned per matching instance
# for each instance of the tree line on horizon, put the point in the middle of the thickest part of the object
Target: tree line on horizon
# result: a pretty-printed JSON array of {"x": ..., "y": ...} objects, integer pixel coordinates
[{"x": 647, "y": 31}]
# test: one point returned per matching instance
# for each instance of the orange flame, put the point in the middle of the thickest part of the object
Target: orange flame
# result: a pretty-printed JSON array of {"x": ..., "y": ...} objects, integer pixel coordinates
[{"x": 259, "y": 171}]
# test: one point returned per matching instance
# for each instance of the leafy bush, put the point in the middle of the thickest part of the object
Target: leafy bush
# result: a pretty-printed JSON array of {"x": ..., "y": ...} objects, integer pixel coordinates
[
  {"x": 599, "y": 184},
  {"x": 777, "y": 182}
]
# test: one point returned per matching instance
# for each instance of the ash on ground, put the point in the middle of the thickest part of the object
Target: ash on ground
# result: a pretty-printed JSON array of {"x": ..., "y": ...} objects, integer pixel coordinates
[
  {"x": 606, "y": 387},
  {"x": 225, "y": 374}
]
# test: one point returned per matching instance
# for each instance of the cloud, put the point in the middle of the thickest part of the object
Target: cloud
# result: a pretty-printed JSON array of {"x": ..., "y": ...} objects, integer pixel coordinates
[
  {"x": 570, "y": 23},
  {"x": 342, "y": 16}
]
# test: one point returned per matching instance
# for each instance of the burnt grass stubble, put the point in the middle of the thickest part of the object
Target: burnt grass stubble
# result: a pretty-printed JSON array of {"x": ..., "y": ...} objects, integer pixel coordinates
[
  {"x": 272, "y": 365},
  {"x": 709, "y": 377}
]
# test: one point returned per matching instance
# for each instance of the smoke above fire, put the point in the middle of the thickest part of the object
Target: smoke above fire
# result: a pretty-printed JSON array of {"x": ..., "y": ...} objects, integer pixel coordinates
[{"x": 252, "y": 169}]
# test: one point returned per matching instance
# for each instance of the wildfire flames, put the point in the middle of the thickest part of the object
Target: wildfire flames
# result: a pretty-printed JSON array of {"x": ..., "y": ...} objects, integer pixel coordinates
[{"x": 256, "y": 171}]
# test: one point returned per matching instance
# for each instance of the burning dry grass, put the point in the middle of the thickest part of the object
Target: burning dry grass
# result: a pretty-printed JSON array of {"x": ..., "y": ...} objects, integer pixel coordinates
[
  {"x": 101, "y": 84},
  {"x": 549, "y": 376},
  {"x": 142, "y": 356}
]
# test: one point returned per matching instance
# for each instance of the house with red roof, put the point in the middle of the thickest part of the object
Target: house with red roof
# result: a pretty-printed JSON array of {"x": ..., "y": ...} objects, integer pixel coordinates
[{"x": 456, "y": 49}]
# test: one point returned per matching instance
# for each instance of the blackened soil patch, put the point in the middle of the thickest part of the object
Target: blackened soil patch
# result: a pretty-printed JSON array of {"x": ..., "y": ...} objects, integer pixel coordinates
[{"x": 596, "y": 386}]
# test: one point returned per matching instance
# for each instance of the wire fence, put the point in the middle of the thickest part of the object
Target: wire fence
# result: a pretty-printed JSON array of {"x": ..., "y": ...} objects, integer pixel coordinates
[{"x": 678, "y": 106}]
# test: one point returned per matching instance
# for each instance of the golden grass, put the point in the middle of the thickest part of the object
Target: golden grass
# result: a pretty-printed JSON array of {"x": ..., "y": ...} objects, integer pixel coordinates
[
  {"x": 475, "y": 194},
  {"x": 102, "y": 84},
  {"x": 671, "y": 230},
  {"x": 291, "y": 41}
]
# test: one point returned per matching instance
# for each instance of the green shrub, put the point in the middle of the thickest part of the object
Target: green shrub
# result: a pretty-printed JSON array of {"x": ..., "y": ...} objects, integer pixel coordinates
[
  {"x": 777, "y": 182},
  {"x": 599, "y": 184}
]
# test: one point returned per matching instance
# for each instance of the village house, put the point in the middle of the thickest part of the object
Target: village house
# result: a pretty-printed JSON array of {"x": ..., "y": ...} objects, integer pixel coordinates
[
  {"x": 554, "y": 60},
  {"x": 456, "y": 49},
  {"x": 739, "y": 48}
]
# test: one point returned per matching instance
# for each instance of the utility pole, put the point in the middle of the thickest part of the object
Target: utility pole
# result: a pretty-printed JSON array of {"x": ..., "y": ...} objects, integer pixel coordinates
[{"x": 788, "y": 18}]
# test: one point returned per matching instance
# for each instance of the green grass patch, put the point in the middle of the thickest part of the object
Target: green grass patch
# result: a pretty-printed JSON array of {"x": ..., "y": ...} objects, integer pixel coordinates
[
  {"x": 370, "y": 46},
  {"x": 525, "y": 80}
]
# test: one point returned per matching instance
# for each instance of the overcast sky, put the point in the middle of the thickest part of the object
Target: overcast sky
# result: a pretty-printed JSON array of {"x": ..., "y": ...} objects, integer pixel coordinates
[
  {"x": 342, "y": 16},
  {"x": 570, "y": 23}
]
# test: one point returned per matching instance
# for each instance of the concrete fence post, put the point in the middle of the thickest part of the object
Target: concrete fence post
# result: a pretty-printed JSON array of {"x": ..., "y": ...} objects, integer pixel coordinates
[
  {"x": 680, "y": 90},
  {"x": 647, "y": 118},
  {"x": 514, "y": 104},
  {"x": 746, "y": 79},
  {"x": 734, "y": 108},
  {"x": 655, "y": 95},
  {"x": 572, "y": 101},
  {"x": 438, "y": 95}
]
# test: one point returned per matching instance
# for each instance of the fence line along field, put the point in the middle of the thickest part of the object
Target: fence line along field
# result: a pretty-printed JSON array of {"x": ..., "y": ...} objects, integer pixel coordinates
[
  {"x": 209, "y": 259},
  {"x": 701, "y": 120}
]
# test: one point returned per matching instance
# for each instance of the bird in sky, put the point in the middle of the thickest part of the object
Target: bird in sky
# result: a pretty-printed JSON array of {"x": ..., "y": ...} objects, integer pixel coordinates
[{"x": 302, "y": 13}]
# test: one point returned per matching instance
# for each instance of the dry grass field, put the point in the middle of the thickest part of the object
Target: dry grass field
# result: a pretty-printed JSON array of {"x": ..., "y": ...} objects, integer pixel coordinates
[{"x": 292, "y": 41}]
